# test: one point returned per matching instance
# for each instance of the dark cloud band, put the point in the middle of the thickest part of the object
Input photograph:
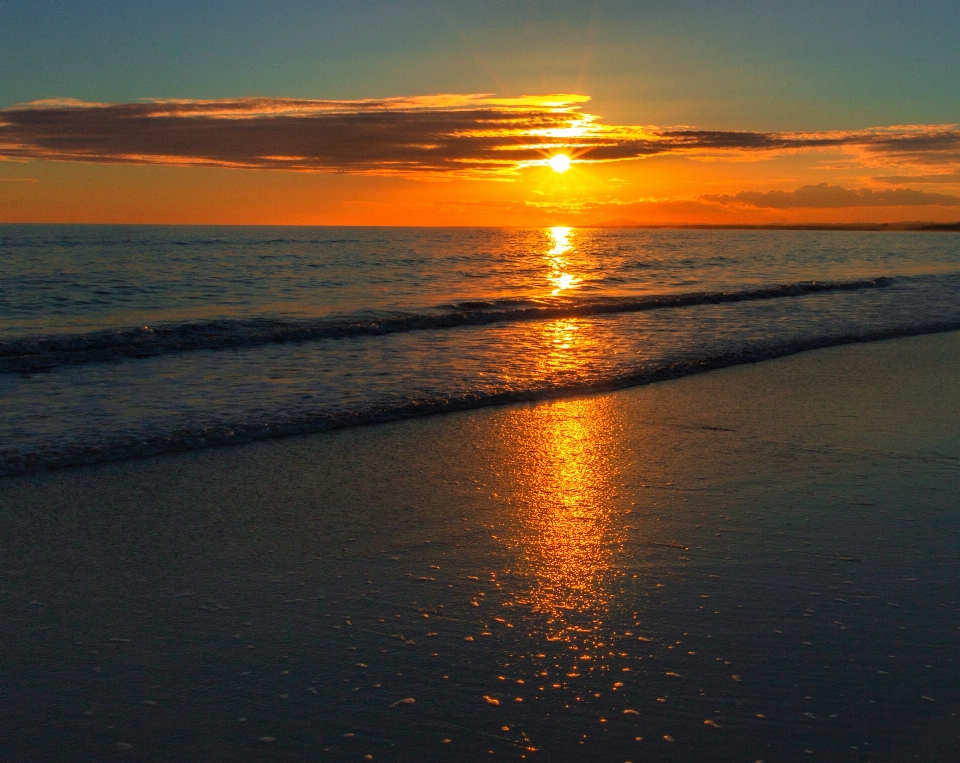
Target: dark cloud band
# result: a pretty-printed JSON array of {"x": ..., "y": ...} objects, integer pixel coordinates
[
  {"x": 456, "y": 134},
  {"x": 825, "y": 196}
]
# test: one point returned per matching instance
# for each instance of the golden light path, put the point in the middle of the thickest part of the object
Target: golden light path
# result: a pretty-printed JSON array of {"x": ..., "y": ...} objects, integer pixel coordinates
[
  {"x": 563, "y": 467},
  {"x": 557, "y": 258},
  {"x": 565, "y": 537}
]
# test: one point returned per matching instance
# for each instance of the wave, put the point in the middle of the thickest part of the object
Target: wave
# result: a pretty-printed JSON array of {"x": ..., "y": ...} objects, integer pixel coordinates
[
  {"x": 117, "y": 447},
  {"x": 44, "y": 353}
]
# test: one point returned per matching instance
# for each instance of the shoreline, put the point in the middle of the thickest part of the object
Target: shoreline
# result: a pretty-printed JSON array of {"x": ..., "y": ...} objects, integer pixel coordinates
[{"x": 161, "y": 444}]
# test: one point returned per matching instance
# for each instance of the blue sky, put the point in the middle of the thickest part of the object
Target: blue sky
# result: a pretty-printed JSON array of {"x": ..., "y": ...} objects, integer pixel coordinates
[{"x": 745, "y": 65}]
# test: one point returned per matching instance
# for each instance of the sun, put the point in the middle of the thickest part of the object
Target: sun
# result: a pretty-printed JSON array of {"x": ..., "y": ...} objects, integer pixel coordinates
[{"x": 559, "y": 163}]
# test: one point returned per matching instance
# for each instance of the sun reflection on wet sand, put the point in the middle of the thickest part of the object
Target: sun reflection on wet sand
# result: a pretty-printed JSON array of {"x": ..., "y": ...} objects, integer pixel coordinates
[{"x": 565, "y": 541}]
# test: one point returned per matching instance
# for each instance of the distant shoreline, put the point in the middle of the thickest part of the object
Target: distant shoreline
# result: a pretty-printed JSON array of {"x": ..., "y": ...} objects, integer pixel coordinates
[
  {"x": 898, "y": 227},
  {"x": 919, "y": 227}
]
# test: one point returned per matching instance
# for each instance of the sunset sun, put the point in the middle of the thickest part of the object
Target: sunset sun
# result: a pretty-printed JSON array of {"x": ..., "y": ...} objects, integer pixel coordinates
[{"x": 559, "y": 163}]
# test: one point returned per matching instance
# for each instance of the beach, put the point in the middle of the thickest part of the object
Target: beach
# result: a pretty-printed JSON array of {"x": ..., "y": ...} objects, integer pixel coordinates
[{"x": 756, "y": 563}]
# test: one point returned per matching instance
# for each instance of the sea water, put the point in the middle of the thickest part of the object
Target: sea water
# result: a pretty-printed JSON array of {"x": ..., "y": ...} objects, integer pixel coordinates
[{"x": 117, "y": 341}]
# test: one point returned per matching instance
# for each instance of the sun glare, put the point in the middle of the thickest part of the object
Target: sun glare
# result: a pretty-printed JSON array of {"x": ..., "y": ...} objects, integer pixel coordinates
[{"x": 559, "y": 163}]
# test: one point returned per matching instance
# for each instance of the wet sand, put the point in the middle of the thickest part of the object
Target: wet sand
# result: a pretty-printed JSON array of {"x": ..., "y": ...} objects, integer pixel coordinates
[{"x": 759, "y": 563}]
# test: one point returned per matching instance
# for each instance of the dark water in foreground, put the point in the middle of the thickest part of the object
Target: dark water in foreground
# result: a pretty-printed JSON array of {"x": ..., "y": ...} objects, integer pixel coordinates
[
  {"x": 121, "y": 341},
  {"x": 755, "y": 564}
]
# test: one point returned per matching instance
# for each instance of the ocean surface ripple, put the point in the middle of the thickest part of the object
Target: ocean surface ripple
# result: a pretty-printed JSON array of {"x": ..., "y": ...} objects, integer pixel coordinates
[
  {"x": 247, "y": 333},
  {"x": 33, "y": 354}
]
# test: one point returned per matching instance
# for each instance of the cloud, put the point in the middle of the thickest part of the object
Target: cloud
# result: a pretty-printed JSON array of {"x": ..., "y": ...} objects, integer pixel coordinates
[
  {"x": 946, "y": 178},
  {"x": 825, "y": 196},
  {"x": 473, "y": 135}
]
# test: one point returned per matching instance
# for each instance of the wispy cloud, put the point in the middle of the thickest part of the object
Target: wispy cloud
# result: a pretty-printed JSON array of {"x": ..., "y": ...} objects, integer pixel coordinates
[
  {"x": 944, "y": 179},
  {"x": 440, "y": 134},
  {"x": 823, "y": 196}
]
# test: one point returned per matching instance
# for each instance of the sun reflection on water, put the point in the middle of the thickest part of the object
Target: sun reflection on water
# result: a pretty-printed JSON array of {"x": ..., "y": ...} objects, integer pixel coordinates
[{"x": 557, "y": 258}]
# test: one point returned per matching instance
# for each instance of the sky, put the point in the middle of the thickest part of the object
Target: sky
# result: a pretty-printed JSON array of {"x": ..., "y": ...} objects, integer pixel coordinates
[{"x": 448, "y": 113}]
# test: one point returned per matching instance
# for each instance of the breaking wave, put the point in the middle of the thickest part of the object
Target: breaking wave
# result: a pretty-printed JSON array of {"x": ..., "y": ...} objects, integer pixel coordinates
[
  {"x": 118, "y": 446},
  {"x": 44, "y": 353}
]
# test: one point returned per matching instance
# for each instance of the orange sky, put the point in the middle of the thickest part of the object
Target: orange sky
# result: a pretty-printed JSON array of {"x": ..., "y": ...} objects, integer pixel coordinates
[{"x": 452, "y": 160}]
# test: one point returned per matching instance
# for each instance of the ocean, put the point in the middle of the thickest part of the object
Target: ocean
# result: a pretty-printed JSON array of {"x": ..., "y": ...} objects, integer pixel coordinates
[{"x": 121, "y": 341}]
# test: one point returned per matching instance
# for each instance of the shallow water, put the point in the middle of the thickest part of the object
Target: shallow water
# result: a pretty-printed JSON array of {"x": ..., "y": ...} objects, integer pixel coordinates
[
  {"x": 755, "y": 564},
  {"x": 118, "y": 341}
]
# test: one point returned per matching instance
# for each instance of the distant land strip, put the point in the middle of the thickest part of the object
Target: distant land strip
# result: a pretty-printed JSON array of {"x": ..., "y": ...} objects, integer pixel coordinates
[{"x": 898, "y": 227}]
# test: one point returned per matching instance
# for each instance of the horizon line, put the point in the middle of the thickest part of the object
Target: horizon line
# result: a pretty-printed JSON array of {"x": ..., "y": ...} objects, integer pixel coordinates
[{"x": 899, "y": 226}]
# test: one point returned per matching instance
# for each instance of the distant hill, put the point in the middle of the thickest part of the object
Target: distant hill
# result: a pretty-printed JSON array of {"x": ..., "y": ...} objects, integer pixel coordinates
[{"x": 623, "y": 222}]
